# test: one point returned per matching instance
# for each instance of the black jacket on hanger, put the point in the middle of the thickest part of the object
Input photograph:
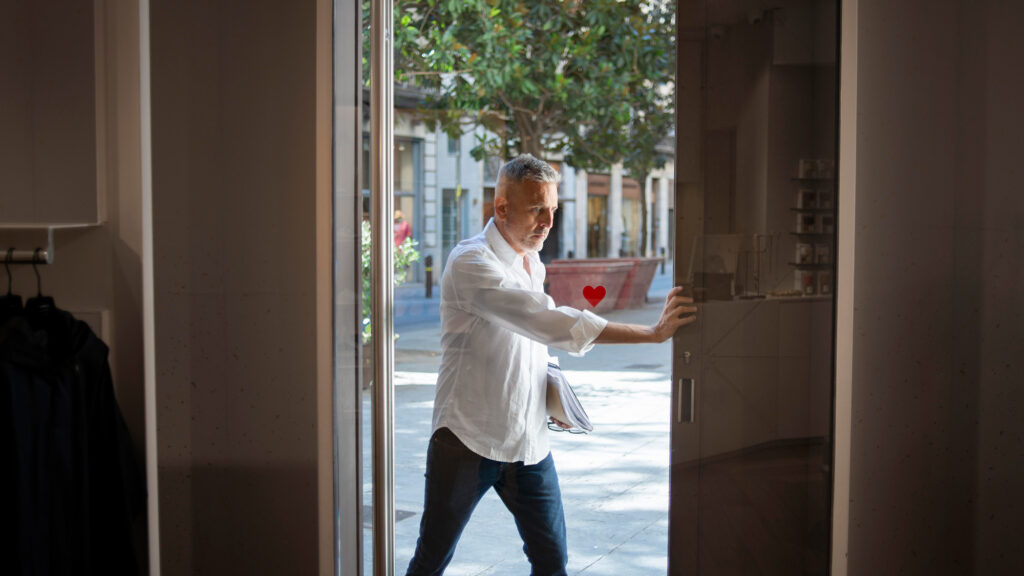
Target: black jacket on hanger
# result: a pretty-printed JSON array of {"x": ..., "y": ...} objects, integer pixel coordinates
[{"x": 71, "y": 486}]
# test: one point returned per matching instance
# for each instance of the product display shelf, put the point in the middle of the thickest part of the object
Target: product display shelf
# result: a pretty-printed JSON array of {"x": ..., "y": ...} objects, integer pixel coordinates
[{"x": 814, "y": 233}]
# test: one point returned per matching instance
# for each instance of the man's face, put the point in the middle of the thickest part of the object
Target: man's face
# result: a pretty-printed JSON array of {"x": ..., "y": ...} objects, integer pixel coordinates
[{"x": 527, "y": 212}]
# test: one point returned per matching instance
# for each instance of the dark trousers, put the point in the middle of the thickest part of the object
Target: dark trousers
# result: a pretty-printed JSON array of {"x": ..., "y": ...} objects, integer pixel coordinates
[{"x": 457, "y": 479}]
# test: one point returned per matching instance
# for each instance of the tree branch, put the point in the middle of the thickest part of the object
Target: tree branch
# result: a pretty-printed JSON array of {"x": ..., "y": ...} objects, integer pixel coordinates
[
  {"x": 435, "y": 72},
  {"x": 426, "y": 18},
  {"x": 513, "y": 108}
]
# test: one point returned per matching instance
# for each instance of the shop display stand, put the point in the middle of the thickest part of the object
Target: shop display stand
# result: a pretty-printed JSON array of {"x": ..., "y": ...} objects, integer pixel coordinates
[{"x": 814, "y": 230}]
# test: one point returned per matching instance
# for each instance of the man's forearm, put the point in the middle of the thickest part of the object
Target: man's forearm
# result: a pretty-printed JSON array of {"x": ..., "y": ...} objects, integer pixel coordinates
[
  {"x": 616, "y": 333},
  {"x": 678, "y": 311}
]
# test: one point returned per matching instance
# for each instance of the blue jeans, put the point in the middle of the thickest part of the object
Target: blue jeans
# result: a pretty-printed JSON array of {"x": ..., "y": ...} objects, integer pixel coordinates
[{"x": 457, "y": 479}]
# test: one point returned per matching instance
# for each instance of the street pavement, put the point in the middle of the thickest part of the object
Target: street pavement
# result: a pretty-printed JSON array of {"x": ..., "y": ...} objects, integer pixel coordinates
[{"x": 614, "y": 481}]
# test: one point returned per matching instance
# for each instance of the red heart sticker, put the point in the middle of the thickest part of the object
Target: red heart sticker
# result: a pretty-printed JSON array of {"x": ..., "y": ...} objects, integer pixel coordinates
[{"x": 594, "y": 295}]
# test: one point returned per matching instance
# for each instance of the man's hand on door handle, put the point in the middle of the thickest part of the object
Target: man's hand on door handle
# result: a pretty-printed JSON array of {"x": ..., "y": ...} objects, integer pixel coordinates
[{"x": 679, "y": 311}]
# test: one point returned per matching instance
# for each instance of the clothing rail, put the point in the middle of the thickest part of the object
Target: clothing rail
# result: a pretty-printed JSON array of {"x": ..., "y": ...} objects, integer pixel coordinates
[
  {"x": 17, "y": 256},
  {"x": 28, "y": 234}
]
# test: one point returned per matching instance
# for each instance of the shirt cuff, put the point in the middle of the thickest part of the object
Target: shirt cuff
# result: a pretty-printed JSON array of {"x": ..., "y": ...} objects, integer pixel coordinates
[{"x": 586, "y": 329}]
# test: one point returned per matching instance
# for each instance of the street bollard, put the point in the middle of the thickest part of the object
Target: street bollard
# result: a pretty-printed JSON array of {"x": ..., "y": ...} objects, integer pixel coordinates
[
  {"x": 428, "y": 266},
  {"x": 662, "y": 260}
]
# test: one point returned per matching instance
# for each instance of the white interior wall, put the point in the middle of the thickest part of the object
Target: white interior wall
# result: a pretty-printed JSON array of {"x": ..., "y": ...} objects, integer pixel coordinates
[
  {"x": 935, "y": 464},
  {"x": 235, "y": 239},
  {"x": 990, "y": 251}
]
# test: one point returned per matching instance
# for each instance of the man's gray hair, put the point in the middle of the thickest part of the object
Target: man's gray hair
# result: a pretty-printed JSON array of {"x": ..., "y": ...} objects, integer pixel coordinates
[{"x": 526, "y": 168}]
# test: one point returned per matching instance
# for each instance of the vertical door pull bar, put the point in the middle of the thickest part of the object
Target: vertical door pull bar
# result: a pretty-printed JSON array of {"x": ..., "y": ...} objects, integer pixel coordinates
[
  {"x": 382, "y": 200},
  {"x": 684, "y": 400}
]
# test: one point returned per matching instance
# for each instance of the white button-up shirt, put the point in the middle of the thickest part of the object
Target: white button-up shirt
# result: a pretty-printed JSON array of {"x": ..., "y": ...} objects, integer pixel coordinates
[{"x": 497, "y": 324}]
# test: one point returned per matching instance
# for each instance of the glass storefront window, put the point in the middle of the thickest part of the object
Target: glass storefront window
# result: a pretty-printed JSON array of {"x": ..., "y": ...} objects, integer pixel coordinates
[{"x": 405, "y": 165}]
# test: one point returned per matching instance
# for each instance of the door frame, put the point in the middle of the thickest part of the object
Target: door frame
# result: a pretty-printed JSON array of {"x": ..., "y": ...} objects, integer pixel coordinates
[
  {"x": 844, "y": 289},
  {"x": 846, "y": 205}
]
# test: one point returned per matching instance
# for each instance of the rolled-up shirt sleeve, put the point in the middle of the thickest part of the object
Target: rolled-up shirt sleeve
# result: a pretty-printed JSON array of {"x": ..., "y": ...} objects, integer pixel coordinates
[{"x": 481, "y": 289}]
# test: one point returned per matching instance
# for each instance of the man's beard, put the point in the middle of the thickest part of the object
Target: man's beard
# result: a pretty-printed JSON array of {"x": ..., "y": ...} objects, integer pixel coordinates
[{"x": 535, "y": 244}]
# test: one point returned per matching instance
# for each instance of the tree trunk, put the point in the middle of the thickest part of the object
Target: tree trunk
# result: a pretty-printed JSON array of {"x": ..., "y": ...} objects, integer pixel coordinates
[
  {"x": 531, "y": 145},
  {"x": 529, "y": 136},
  {"x": 643, "y": 215}
]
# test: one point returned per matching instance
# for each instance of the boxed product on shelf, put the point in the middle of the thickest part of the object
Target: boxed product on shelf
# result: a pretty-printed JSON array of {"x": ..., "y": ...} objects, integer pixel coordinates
[
  {"x": 825, "y": 199},
  {"x": 824, "y": 282},
  {"x": 806, "y": 223},
  {"x": 826, "y": 168},
  {"x": 816, "y": 168},
  {"x": 822, "y": 254},
  {"x": 806, "y": 198},
  {"x": 805, "y": 253},
  {"x": 806, "y": 168},
  {"x": 826, "y": 224},
  {"x": 805, "y": 282}
]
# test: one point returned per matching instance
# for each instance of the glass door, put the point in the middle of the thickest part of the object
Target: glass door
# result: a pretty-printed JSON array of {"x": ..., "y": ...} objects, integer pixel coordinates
[{"x": 754, "y": 243}]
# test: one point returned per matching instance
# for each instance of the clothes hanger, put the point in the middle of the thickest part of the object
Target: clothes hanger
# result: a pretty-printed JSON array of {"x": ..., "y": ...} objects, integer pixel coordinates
[
  {"x": 38, "y": 302},
  {"x": 10, "y": 302},
  {"x": 40, "y": 312}
]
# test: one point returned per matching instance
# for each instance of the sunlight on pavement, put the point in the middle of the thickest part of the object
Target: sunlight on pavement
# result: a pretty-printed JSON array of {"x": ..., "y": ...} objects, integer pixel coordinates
[{"x": 615, "y": 481}]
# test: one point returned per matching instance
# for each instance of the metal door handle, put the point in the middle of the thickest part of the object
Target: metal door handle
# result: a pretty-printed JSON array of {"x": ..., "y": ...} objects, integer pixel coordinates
[{"x": 685, "y": 389}]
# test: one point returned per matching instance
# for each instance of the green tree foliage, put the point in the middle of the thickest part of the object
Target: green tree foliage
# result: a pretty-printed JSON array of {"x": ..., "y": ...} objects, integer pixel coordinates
[
  {"x": 591, "y": 80},
  {"x": 541, "y": 75},
  {"x": 404, "y": 256}
]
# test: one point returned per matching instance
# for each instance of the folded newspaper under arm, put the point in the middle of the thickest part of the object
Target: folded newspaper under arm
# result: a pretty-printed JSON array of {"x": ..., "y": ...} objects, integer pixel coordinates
[{"x": 563, "y": 405}]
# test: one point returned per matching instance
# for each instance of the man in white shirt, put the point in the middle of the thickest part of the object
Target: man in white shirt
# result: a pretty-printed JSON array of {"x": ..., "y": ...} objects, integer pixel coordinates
[{"x": 490, "y": 419}]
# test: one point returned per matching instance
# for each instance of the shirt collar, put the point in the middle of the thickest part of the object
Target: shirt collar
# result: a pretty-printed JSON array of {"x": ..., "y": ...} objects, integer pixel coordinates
[{"x": 505, "y": 252}]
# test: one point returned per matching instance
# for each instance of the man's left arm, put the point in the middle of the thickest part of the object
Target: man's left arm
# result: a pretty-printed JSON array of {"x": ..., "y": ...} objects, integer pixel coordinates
[{"x": 679, "y": 311}]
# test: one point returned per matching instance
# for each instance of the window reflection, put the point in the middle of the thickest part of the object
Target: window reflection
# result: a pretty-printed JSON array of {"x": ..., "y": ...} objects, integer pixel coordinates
[{"x": 755, "y": 197}]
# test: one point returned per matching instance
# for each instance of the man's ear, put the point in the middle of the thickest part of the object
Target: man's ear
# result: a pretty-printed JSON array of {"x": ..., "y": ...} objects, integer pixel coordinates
[{"x": 501, "y": 207}]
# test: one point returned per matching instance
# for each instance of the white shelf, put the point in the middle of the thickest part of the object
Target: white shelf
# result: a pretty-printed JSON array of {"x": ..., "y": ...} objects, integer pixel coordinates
[
  {"x": 28, "y": 254},
  {"x": 30, "y": 226}
]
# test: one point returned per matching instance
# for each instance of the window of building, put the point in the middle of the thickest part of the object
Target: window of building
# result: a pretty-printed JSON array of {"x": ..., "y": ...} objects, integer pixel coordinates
[
  {"x": 597, "y": 226},
  {"x": 631, "y": 227}
]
